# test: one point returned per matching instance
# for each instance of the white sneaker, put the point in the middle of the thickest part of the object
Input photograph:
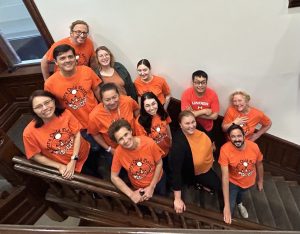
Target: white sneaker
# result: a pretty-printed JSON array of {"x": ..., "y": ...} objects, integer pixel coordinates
[{"x": 243, "y": 211}]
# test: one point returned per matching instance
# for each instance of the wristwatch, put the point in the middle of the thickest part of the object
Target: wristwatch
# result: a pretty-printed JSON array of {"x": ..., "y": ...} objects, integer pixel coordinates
[{"x": 75, "y": 157}]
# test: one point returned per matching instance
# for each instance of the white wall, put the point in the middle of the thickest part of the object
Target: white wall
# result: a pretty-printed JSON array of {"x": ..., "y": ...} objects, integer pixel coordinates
[{"x": 250, "y": 45}]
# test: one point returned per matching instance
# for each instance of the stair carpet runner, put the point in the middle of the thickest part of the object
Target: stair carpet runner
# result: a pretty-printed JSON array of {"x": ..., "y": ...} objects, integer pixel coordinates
[{"x": 278, "y": 205}]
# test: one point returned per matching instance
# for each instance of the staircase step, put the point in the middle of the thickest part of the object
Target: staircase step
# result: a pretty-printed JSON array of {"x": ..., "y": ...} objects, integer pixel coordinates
[
  {"x": 263, "y": 210},
  {"x": 289, "y": 203},
  {"x": 248, "y": 202},
  {"x": 277, "y": 207},
  {"x": 296, "y": 194}
]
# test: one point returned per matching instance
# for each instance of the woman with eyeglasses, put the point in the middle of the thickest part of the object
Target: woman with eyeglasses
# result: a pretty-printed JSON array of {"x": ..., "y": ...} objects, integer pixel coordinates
[
  {"x": 110, "y": 71},
  {"x": 154, "y": 122},
  {"x": 78, "y": 39},
  {"x": 253, "y": 121},
  {"x": 147, "y": 82},
  {"x": 53, "y": 137}
]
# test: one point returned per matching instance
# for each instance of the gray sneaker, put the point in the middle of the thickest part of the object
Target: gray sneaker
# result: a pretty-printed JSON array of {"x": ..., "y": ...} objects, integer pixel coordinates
[{"x": 243, "y": 211}]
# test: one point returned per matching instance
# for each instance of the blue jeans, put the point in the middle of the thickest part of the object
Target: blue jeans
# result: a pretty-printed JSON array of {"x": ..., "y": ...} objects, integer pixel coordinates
[
  {"x": 94, "y": 145},
  {"x": 160, "y": 188},
  {"x": 235, "y": 195}
]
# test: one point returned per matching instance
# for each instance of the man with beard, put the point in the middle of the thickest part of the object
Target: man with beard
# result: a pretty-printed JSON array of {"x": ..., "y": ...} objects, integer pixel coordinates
[{"x": 239, "y": 160}]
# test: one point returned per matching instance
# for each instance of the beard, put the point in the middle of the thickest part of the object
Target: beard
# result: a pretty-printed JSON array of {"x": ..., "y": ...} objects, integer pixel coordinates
[{"x": 238, "y": 144}]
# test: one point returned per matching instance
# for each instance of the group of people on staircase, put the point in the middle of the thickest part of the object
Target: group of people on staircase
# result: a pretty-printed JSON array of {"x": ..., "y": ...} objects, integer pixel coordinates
[{"x": 90, "y": 109}]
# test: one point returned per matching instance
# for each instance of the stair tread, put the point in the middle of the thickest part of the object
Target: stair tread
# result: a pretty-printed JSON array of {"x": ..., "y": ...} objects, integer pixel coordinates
[
  {"x": 263, "y": 211},
  {"x": 296, "y": 194},
  {"x": 277, "y": 207},
  {"x": 289, "y": 204},
  {"x": 248, "y": 202}
]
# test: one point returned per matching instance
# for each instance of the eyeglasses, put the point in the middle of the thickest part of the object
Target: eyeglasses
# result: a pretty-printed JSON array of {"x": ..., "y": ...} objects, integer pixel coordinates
[
  {"x": 79, "y": 33},
  {"x": 40, "y": 106},
  {"x": 197, "y": 83}
]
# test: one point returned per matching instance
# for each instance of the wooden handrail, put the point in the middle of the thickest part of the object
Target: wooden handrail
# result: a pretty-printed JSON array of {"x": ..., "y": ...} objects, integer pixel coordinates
[{"x": 105, "y": 188}]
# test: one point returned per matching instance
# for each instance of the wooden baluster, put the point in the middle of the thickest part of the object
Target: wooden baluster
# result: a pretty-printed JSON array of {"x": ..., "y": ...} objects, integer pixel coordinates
[
  {"x": 198, "y": 225},
  {"x": 56, "y": 188},
  {"x": 183, "y": 223},
  {"x": 169, "y": 219},
  {"x": 123, "y": 208},
  {"x": 138, "y": 210},
  {"x": 153, "y": 214}
]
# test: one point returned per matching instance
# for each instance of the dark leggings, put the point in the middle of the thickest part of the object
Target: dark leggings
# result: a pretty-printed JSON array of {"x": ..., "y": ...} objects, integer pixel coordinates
[{"x": 210, "y": 180}]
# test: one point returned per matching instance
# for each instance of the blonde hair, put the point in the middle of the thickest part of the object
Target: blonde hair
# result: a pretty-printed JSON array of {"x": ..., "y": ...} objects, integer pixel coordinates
[
  {"x": 112, "y": 58},
  {"x": 246, "y": 95}
]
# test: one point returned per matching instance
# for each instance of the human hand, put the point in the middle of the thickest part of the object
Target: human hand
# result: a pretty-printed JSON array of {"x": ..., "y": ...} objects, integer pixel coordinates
[
  {"x": 227, "y": 214},
  {"x": 112, "y": 151},
  {"x": 240, "y": 120},
  {"x": 69, "y": 171},
  {"x": 260, "y": 185},
  {"x": 148, "y": 192},
  {"x": 135, "y": 196},
  {"x": 179, "y": 206},
  {"x": 207, "y": 111}
]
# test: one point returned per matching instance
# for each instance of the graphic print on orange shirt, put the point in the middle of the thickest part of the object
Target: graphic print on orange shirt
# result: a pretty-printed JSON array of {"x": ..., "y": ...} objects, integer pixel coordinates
[
  {"x": 75, "y": 97},
  {"x": 140, "y": 168},
  {"x": 60, "y": 141},
  {"x": 158, "y": 133},
  {"x": 245, "y": 168}
]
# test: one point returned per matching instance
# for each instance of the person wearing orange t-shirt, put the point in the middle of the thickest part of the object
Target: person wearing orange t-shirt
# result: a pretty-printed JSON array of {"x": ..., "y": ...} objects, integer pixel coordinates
[
  {"x": 146, "y": 82},
  {"x": 140, "y": 156},
  {"x": 53, "y": 137},
  {"x": 76, "y": 87},
  {"x": 113, "y": 107},
  {"x": 110, "y": 71},
  {"x": 241, "y": 163},
  {"x": 253, "y": 121},
  {"x": 154, "y": 122},
  {"x": 191, "y": 160},
  {"x": 84, "y": 48}
]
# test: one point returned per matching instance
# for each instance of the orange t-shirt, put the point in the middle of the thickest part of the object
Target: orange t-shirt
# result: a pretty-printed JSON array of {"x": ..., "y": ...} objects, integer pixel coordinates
[
  {"x": 85, "y": 51},
  {"x": 115, "y": 78},
  {"x": 139, "y": 163},
  {"x": 158, "y": 132},
  {"x": 202, "y": 152},
  {"x": 55, "y": 140},
  {"x": 241, "y": 163},
  {"x": 157, "y": 85},
  {"x": 255, "y": 117},
  {"x": 100, "y": 118},
  {"x": 75, "y": 92}
]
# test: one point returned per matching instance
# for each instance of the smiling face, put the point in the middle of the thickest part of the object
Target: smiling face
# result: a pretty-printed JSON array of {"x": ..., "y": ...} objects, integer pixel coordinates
[
  {"x": 110, "y": 99},
  {"x": 124, "y": 138},
  {"x": 240, "y": 103},
  {"x": 66, "y": 62},
  {"x": 144, "y": 72},
  {"x": 104, "y": 58},
  {"x": 188, "y": 124},
  {"x": 151, "y": 106},
  {"x": 44, "y": 107},
  {"x": 199, "y": 85},
  {"x": 79, "y": 33},
  {"x": 237, "y": 138}
]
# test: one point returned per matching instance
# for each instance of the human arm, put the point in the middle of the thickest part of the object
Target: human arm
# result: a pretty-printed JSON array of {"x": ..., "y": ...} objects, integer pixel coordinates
[
  {"x": 45, "y": 67},
  {"x": 225, "y": 187},
  {"x": 169, "y": 133},
  {"x": 261, "y": 131},
  {"x": 42, "y": 159},
  {"x": 238, "y": 121},
  {"x": 260, "y": 175},
  {"x": 148, "y": 191},
  {"x": 168, "y": 98},
  {"x": 96, "y": 91},
  {"x": 100, "y": 140},
  {"x": 179, "y": 205},
  {"x": 135, "y": 196}
]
